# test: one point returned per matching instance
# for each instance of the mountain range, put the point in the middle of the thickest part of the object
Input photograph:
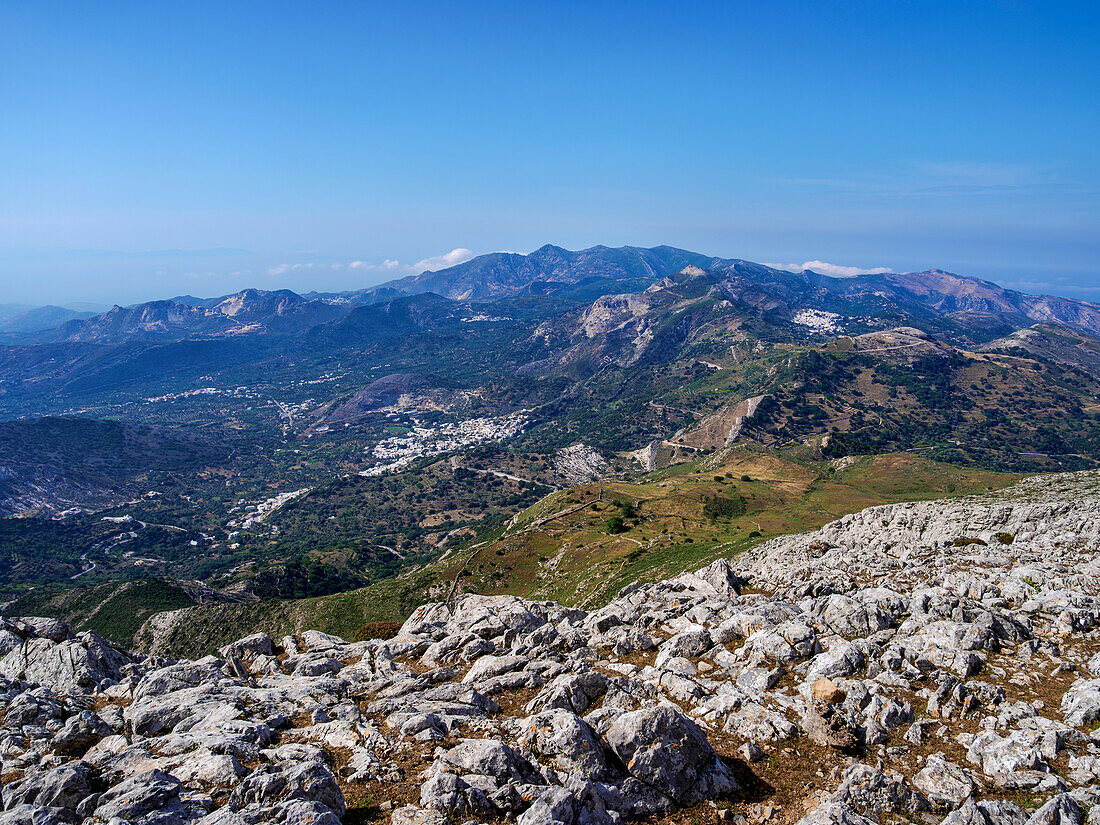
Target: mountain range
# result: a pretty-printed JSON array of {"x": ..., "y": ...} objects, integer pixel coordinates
[
  {"x": 947, "y": 301},
  {"x": 558, "y": 325},
  {"x": 269, "y": 443},
  {"x": 249, "y": 311},
  {"x": 552, "y": 269}
]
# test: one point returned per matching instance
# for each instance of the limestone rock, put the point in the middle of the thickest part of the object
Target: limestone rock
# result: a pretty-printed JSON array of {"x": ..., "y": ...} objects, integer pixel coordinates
[{"x": 665, "y": 750}]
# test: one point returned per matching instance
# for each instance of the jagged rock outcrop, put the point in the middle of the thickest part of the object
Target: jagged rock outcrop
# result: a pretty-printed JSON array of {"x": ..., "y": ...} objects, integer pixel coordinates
[{"x": 932, "y": 662}]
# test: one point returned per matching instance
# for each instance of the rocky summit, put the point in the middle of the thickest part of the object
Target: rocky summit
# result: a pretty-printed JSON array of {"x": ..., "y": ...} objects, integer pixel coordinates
[{"x": 935, "y": 662}]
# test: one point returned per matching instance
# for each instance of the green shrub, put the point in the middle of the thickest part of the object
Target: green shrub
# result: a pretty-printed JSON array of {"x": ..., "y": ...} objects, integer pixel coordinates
[
  {"x": 627, "y": 509},
  {"x": 722, "y": 507}
]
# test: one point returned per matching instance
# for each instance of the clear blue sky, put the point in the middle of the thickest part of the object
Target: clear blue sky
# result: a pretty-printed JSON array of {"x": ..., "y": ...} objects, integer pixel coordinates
[{"x": 152, "y": 149}]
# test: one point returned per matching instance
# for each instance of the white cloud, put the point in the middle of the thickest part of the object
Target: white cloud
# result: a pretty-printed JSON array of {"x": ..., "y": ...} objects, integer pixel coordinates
[
  {"x": 455, "y": 256},
  {"x": 832, "y": 270},
  {"x": 283, "y": 269},
  {"x": 387, "y": 264},
  {"x": 452, "y": 258}
]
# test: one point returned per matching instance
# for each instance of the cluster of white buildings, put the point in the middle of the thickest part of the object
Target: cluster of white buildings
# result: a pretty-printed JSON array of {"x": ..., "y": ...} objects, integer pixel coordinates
[
  {"x": 323, "y": 378},
  {"x": 237, "y": 392},
  {"x": 482, "y": 319},
  {"x": 817, "y": 319},
  {"x": 398, "y": 452},
  {"x": 255, "y": 514}
]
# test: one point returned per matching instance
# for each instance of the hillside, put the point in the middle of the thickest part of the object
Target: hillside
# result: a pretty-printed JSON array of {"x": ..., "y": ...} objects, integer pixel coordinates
[
  {"x": 115, "y": 611},
  {"x": 678, "y": 367},
  {"x": 1054, "y": 343},
  {"x": 564, "y": 548},
  {"x": 883, "y": 392},
  {"x": 56, "y": 463}
]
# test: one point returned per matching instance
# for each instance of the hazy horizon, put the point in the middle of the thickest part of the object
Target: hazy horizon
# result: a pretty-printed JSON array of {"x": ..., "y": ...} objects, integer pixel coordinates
[{"x": 313, "y": 279}]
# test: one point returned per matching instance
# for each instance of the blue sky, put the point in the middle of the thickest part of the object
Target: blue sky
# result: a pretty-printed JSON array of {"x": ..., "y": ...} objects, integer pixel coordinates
[{"x": 153, "y": 149}]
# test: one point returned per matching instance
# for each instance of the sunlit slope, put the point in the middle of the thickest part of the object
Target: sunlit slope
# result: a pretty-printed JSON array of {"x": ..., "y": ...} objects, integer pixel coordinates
[{"x": 580, "y": 545}]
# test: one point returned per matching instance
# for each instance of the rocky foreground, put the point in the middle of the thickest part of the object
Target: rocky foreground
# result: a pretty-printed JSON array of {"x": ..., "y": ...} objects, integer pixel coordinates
[{"x": 932, "y": 662}]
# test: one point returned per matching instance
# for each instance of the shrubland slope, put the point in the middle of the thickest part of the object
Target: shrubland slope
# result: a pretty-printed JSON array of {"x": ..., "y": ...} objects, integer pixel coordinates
[{"x": 566, "y": 547}]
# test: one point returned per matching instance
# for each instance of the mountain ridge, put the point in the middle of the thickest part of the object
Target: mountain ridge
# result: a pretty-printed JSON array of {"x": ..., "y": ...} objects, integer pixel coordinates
[
  {"x": 248, "y": 311},
  {"x": 503, "y": 274},
  {"x": 579, "y": 276}
]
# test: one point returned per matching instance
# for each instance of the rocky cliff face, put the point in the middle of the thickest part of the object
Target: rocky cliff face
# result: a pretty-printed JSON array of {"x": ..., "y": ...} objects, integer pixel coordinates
[
  {"x": 721, "y": 428},
  {"x": 932, "y": 662}
]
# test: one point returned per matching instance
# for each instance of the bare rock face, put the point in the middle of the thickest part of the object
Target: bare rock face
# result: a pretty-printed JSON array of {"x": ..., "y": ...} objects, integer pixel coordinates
[
  {"x": 722, "y": 428},
  {"x": 826, "y": 690},
  {"x": 919, "y": 662},
  {"x": 566, "y": 743},
  {"x": 62, "y": 662},
  {"x": 150, "y": 796},
  {"x": 614, "y": 312},
  {"x": 579, "y": 464},
  {"x": 81, "y": 732},
  {"x": 63, "y": 787},
  {"x": 829, "y": 726},
  {"x": 944, "y": 783}
]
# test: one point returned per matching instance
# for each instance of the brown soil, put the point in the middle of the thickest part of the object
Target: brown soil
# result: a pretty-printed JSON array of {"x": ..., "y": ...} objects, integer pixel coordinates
[
  {"x": 512, "y": 702},
  {"x": 377, "y": 630}
]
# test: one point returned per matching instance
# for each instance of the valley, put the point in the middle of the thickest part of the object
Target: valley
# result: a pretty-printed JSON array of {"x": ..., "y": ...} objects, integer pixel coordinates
[{"x": 327, "y": 449}]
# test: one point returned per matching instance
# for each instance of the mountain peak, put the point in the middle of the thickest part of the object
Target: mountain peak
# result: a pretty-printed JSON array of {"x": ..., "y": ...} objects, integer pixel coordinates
[{"x": 557, "y": 270}]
